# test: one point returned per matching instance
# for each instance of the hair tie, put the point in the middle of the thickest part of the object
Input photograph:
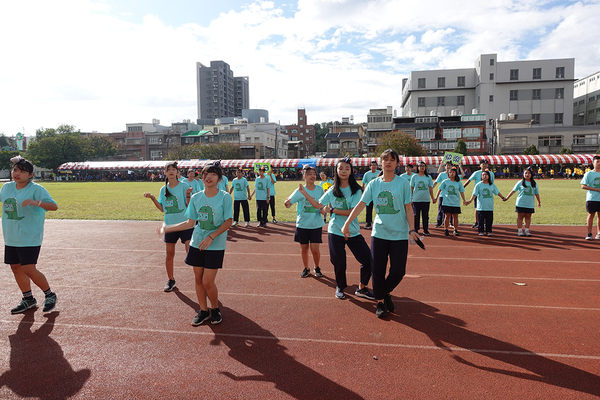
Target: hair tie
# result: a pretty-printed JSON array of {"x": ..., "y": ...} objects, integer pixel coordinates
[
  {"x": 347, "y": 159},
  {"x": 16, "y": 159},
  {"x": 217, "y": 164}
]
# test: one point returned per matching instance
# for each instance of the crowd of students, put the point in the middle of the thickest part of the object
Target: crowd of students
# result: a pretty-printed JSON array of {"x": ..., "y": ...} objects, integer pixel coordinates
[{"x": 199, "y": 209}]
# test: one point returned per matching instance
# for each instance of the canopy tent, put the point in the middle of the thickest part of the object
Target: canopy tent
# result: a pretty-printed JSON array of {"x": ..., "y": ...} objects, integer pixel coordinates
[{"x": 542, "y": 159}]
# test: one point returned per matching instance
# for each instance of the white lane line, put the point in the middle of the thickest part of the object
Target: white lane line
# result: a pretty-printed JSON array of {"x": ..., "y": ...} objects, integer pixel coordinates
[{"x": 314, "y": 340}]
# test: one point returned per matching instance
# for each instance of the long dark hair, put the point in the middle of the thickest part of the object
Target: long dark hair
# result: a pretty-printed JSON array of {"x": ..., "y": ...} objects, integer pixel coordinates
[
  {"x": 354, "y": 186},
  {"x": 167, "y": 165},
  {"x": 456, "y": 176},
  {"x": 425, "y": 164},
  {"x": 533, "y": 184}
]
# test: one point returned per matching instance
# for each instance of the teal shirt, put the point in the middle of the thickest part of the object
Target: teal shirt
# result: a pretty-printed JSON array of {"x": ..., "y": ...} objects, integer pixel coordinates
[
  {"x": 368, "y": 177},
  {"x": 421, "y": 185},
  {"x": 23, "y": 226},
  {"x": 407, "y": 176},
  {"x": 260, "y": 188},
  {"x": 451, "y": 191},
  {"x": 240, "y": 191},
  {"x": 389, "y": 199},
  {"x": 347, "y": 202},
  {"x": 526, "y": 196},
  {"x": 174, "y": 205},
  {"x": 591, "y": 179},
  {"x": 210, "y": 212},
  {"x": 194, "y": 184},
  {"x": 222, "y": 185},
  {"x": 485, "y": 196},
  {"x": 307, "y": 217},
  {"x": 273, "y": 182}
]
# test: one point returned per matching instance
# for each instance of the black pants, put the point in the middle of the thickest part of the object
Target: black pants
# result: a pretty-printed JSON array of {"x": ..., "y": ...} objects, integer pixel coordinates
[
  {"x": 262, "y": 209},
  {"x": 370, "y": 213},
  {"x": 421, "y": 209},
  {"x": 485, "y": 218},
  {"x": 272, "y": 205},
  {"x": 397, "y": 251},
  {"x": 337, "y": 256},
  {"x": 236, "y": 210}
]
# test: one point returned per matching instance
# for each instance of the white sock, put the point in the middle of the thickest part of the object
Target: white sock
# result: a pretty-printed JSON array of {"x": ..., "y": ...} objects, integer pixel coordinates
[{"x": 520, "y": 230}]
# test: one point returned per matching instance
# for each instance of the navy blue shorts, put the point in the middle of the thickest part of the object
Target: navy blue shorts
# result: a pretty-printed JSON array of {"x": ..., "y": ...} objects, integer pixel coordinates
[
  {"x": 592, "y": 206},
  {"x": 209, "y": 259},
  {"x": 306, "y": 236},
  {"x": 21, "y": 255},
  {"x": 172, "y": 237},
  {"x": 525, "y": 210},
  {"x": 451, "y": 210}
]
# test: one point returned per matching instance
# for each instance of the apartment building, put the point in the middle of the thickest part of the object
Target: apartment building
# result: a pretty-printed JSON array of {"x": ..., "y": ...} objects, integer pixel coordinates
[
  {"x": 302, "y": 136},
  {"x": 345, "y": 139},
  {"x": 586, "y": 100},
  {"x": 379, "y": 123},
  {"x": 219, "y": 93}
]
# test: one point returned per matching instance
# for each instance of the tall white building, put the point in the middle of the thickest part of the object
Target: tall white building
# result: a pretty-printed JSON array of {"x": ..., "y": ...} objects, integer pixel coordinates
[
  {"x": 536, "y": 90},
  {"x": 586, "y": 100}
]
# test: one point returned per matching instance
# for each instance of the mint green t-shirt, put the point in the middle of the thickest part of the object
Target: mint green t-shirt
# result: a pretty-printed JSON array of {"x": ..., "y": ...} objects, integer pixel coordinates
[
  {"x": 307, "y": 217},
  {"x": 485, "y": 196},
  {"x": 421, "y": 185},
  {"x": 273, "y": 182},
  {"x": 348, "y": 202},
  {"x": 210, "y": 212},
  {"x": 260, "y": 188},
  {"x": 174, "y": 205},
  {"x": 389, "y": 199},
  {"x": 451, "y": 191},
  {"x": 526, "y": 196},
  {"x": 240, "y": 191},
  {"x": 591, "y": 179},
  {"x": 222, "y": 185}
]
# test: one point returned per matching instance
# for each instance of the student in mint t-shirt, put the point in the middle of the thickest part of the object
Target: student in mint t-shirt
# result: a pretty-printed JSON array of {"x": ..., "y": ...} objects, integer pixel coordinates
[
  {"x": 476, "y": 178},
  {"x": 484, "y": 191},
  {"x": 368, "y": 177},
  {"x": 192, "y": 182},
  {"x": 209, "y": 214},
  {"x": 591, "y": 183},
  {"x": 525, "y": 204},
  {"x": 309, "y": 221},
  {"x": 262, "y": 188},
  {"x": 272, "y": 194},
  {"x": 442, "y": 176},
  {"x": 452, "y": 189},
  {"x": 241, "y": 194},
  {"x": 421, "y": 186},
  {"x": 409, "y": 172},
  {"x": 339, "y": 201},
  {"x": 24, "y": 206},
  {"x": 393, "y": 225}
]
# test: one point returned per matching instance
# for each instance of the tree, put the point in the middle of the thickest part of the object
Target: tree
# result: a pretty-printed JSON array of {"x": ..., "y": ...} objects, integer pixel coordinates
[
  {"x": 320, "y": 142},
  {"x": 217, "y": 151},
  {"x": 531, "y": 151},
  {"x": 63, "y": 129},
  {"x": 4, "y": 142},
  {"x": 404, "y": 143},
  {"x": 5, "y": 156},
  {"x": 102, "y": 147},
  {"x": 461, "y": 148},
  {"x": 566, "y": 150},
  {"x": 52, "y": 151}
]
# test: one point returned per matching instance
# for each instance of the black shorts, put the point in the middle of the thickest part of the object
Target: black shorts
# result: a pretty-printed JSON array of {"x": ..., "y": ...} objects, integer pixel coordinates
[
  {"x": 592, "y": 206},
  {"x": 306, "y": 236},
  {"x": 450, "y": 210},
  {"x": 172, "y": 237},
  {"x": 21, "y": 255},
  {"x": 209, "y": 259},
  {"x": 525, "y": 210}
]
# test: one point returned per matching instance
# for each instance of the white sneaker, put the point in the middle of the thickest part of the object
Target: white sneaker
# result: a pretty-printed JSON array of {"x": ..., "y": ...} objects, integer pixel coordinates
[
  {"x": 247, "y": 224},
  {"x": 589, "y": 236},
  {"x": 234, "y": 224},
  {"x": 598, "y": 236},
  {"x": 481, "y": 234},
  {"x": 520, "y": 232},
  {"x": 527, "y": 232}
]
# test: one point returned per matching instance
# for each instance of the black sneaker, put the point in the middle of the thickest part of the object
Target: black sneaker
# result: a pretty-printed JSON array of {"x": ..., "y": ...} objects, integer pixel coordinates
[
  {"x": 50, "y": 302},
  {"x": 339, "y": 293},
  {"x": 475, "y": 225},
  {"x": 446, "y": 233},
  {"x": 170, "y": 285},
  {"x": 389, "y": 304},
  {"x": 274, "y": 221},
  {"x": 24, "y": 305},
  {"x": 426, "y": 233},
  {"x": 368, "y": 226},
  {"x": 318, "y": 273},
  {"x": 201, "y": 317},
  {"x": 589, "y": 236},
  {"x": 381, "y": 310},
  {"x": 305, "y": 273},
  {"x": 455, "y": 233},
  {"x": 215, "y": 316},
  {"x": 438, "y": 226},
  {"x": 364, "y": 293}
]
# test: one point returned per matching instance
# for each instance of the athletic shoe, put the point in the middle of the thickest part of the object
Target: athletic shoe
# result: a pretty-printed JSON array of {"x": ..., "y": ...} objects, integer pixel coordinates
[
  {"x": 247, "y": 224},
  {"x": 339, "y": 293},
  {"x": 438, "y": 226},
  {"x": 234, "y": 224},
  {"x": 24, "y": 305},
  {"x": 305, "y": 273},
  {"x": 426, "y": 233},
  {"x": 381, "y": 310},
  {"x": 368, "y": 226},
  {"x": 260, "y": 225},
  {"x": 274, "y": 221},
  {"x": 201, "y": 317},
  {"x": 50, "y": 302},
  {"x": 489, "y": 233},
  {"x": 481, "y": 233},
  {"x": 364, "y": 293},
  {"x": 475, "y": 225},
  {"x": 215, "y": 316},
  {"x": 389, "y": 304},
  {"x": 589, "y": 236},
  {"x": 598, "y": 236},
  {"x": 446, "y": 233},
  {"x": 455, "y": 233},
  {"x": 170, "y": 285},
  {"x": 520, "y": 232},
  {"x": 526, "y": 232},
  {"x": 318, "y": 273}
]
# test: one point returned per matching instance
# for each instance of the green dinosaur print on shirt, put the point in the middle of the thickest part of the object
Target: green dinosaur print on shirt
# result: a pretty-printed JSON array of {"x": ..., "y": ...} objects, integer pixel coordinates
[
  {"x": 340, "y": 203},
  {"x": 452, "y": 191},
  {"x": 385, "y": 203},
  {"x": 421, "y": 186},
  {"x": 528, "y": 191},
  {"x": 205, "y": 218},
  {"x": 260, "y": 186},
  {"x": 238, "y": 187},
  {"x": 486, "y": 194},
  {"x": 10, "y": 209},
  {"x": 172, "y": 205},
  {"x": 307, "y": 208}
]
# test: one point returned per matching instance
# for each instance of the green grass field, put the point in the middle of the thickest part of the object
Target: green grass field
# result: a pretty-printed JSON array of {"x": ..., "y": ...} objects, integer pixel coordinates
[{"x": 563, "y": 202}]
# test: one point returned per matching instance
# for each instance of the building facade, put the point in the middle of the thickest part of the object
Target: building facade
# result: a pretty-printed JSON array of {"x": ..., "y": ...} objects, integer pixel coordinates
[
  {"x": 379, "y": 123},
  {"x": 345, "y": 139},
  {"x": 302, "y": 138},
  {"x": 219, "y": 93},
  {"x": 586, "y": 100},
  {"x": 536, "y": 90}
]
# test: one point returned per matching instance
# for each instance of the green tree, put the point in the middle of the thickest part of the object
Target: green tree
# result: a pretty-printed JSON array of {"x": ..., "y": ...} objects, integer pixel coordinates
[
  {"x": 5, "y": 156},
  {"x": 531, "y": 151},
  {"x": 461, "y": 148},
  {"x": 566, "y": 150},
  {"x": 102, "y": 147},
  {"x": 320, "y": 142},
  {"x": 63, "y": 129},
  {"x": 217, "y": 151},
  {"x": 4, "y": 141},
  {"x": 404, "y": 143},
  {"x": 53, "y": 150}
]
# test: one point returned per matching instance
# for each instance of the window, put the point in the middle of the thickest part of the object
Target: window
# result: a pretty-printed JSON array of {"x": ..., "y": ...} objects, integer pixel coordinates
[
  {"x": 560, "y": 72},
  {"x": 155, "y": 140},
  {"x": 295, "y": 138},
  {"x": 425, "y": 134},
  {"x": 301, "y": 126},
  {"x": 549, "y": 141},
  {"x": 421, "y": 83},
  {"x": 515, "y": 141},
  {"x": 451, "y": 133},
  {"x": 514, "y": 95},
  {"x": 560, "y": 93},
  {"x": 441, "y": 101},
  {"x": 421, "y": 102},
  {"x": 256, "y": 139},
  {"x": 514, "y": 74},
  {"x": 471, "y": 132},
  {"x": 585, "y": 139},
  {"x": 537, "y": 94},
  {"x": 581, "y": 102},
  {"x": 334, "y": 145},
  {"x": 537, "y": 73},
  {"x": 491, "y": 61},
  {"x": 301, "y": 118},
  {"x": 461, "y": 81},
  {"x": 491, "y": 98},
  {"x": 535, "y": 119},
  {"x": 448, "y": 145},
  {"x": 441, "y": 82},
  {"x": 491, "y": 76},
  {"x": 155, "y": 154},
  {"x": 558, "y": 118},
  {"x": 460, "y": 100},
  {"x": 473, "y": 145}
]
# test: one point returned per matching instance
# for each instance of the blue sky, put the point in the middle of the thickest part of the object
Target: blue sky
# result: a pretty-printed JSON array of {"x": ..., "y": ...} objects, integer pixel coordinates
[{"x": 99, "y": 64}]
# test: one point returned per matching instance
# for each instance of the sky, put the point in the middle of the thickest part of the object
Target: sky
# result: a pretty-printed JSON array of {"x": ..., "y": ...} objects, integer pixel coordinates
[{"x": 100, "y": 64}]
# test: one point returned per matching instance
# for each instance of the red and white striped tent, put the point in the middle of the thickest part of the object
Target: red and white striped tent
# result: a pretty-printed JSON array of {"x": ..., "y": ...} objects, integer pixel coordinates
[{"x": 542, "y": 159}]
